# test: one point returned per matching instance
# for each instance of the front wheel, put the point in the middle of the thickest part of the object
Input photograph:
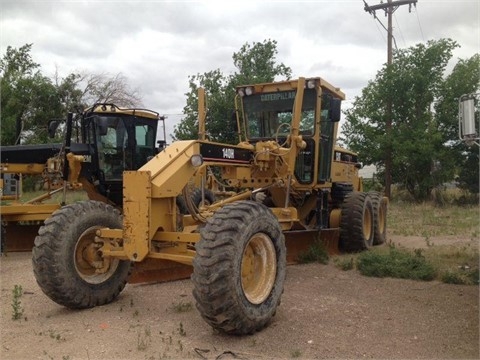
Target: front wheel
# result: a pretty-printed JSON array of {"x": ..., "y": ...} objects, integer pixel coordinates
[
  {"x": 67, "y": 263},
  {"x": 239, "y": 268}
]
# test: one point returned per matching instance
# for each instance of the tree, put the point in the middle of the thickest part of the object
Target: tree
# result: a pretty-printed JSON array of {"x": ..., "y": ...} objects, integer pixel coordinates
[
  {"x": 464, "y": 79},
  {"x": 28, "y": 98},
  {"x": 255, "y": 64},
  {"x": 80, "y": 90},
  {"x": 419, "y": 139}
]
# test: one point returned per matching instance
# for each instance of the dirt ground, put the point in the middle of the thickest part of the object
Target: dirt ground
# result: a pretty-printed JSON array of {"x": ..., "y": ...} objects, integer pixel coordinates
[{"x": 325, "y": 313}]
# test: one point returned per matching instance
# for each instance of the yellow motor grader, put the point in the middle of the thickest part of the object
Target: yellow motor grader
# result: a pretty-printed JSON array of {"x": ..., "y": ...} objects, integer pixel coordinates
[
  {"x": 289, "y": 187},
  {"x": 99, "y": 144}
]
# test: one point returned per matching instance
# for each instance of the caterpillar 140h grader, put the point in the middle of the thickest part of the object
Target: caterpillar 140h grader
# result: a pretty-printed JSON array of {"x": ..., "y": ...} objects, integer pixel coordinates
[{"x": 292, "y": 187}]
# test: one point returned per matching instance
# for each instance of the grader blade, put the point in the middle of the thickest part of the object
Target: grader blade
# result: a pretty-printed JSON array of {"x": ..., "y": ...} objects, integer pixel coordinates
[
  {"x": 297, "y": 243},
  {"x": 154, "y": 270},
  {"x": 19, "y": 237}
]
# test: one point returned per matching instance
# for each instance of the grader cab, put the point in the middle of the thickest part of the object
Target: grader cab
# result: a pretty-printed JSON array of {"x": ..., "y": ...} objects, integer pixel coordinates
[
  {"x": 289, "y": 187},
  {"x": 99, "y": 144}
]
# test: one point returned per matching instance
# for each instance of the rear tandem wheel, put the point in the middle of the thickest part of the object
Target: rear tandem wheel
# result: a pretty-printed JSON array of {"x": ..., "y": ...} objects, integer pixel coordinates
[{"x": 356, "y": 224}]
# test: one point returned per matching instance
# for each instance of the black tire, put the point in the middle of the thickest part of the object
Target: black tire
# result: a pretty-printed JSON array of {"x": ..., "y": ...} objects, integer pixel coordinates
[
  {"x": 64, "y": 256},
  {"x": 240, "y": 240},
  {"x": 181, "y": 206},
  {"x": 379, "y": 217},
  {"x": 197, "y": 197},
  {"x": 356, "y": 224}
]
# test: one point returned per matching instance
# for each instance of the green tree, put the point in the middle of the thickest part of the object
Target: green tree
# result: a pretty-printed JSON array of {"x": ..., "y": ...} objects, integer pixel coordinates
[
  {"x": 464, "y": 79},
  {"x": 414, "y": 82},
  {"x": 255, "y": 63},
  {"x": 28, "y": 98}
]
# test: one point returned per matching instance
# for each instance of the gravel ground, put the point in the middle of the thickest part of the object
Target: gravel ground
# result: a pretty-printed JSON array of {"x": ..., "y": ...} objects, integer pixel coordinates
[{"x": 325, "y": 313}]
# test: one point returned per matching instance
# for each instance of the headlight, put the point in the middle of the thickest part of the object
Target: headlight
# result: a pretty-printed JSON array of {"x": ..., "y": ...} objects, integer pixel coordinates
[
  {"x": 196, "y": 160},
  {"x": 311, "y": 84},
  {"x": 241, "y": 92},
  {"x": 248, "y": 90}
]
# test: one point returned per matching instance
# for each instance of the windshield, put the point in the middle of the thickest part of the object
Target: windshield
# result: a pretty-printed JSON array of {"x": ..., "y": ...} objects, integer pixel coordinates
[
  {"x": 269, "y": 115},
  {"x": 124, "y": 143}
]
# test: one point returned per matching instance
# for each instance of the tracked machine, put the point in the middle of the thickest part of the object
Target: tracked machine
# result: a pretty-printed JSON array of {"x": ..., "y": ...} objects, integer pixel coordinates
[{"x": 289, "y": 188}]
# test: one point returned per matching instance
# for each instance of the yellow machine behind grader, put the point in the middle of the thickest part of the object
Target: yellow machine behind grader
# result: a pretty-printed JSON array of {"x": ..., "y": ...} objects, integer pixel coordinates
[{"x": 289, "y": 188}]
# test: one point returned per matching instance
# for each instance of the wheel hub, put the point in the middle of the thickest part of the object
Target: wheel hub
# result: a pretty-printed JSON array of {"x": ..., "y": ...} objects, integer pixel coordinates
[
  {"x": 258, "y": 268},
  {"x": 91, "y": 266}
]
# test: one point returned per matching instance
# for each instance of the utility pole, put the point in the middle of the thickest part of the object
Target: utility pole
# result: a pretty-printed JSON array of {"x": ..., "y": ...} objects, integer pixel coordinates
[{"x": 389, "y": 9}]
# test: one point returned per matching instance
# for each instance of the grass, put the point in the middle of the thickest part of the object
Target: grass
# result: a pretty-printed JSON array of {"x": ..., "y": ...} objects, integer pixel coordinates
[
  {"x": 426, "y": 220},
  {"x": 315, "y": 253},
  {"x": 181, "y": 306},
  {"x": 17, "y": 307},
  {"x": 396, "y": 263},
  {"x": 453, "y": 264},
  {"x": 72, "y": 196}
]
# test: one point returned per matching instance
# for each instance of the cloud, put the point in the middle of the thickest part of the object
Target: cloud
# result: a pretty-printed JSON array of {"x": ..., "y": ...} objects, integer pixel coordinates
[{"x": 158, "y": 44}]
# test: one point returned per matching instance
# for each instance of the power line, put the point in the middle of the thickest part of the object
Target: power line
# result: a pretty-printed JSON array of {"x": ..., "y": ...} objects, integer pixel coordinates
[
  {"x": 401, "y": 34},
  {"x": 419, "y": 24},
  {"x": 390, "y": 7}
]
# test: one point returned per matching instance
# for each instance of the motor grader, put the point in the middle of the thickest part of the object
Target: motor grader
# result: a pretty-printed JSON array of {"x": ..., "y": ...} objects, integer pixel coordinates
[
  {"x": 290, "y": 188},
  {"x": 99, "y": 143}
]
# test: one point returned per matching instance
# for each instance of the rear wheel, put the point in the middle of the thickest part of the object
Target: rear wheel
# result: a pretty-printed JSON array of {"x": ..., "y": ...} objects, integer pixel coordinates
[
  {"x": 67, "y": 263},
  {"x": 356, "y": 224},
  {"x": 239, "y": 268},
  {"x": 208, "y": 199},
  {"x": 379, "y": 217}
]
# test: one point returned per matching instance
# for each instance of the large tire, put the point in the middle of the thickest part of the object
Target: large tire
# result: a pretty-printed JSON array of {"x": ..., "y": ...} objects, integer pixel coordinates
[
  {"x": 66, "y": 264},
  {"x": 209, "y": 197},
  {"x": 379, "y": 217},
  {"x": 239, "y": 268},
  {"x": 356, "y": 224}
]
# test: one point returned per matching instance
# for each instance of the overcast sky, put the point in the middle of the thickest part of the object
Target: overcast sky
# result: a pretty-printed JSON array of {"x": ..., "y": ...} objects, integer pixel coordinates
[{"x": 158, "y": 44}]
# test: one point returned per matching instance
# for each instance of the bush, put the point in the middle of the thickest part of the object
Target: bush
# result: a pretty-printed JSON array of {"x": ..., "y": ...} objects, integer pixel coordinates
[
  {"x": 345, "y": 264},
  {"x": 315, "y": 253},
  {"x": 397, "y": 264}
]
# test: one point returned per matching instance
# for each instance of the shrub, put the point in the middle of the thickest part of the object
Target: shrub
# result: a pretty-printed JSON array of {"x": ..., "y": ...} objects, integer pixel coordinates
[
  {"x": 315, "y": 253},
  {"x": 397, "y": 264}
]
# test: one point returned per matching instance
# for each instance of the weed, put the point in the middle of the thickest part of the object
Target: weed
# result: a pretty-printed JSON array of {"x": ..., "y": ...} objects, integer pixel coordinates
[
  {"x": 315, "y": 253},
  {"x": 181, "y": 307},
  {"x": 135, "y": 313},
  {"x": 144, "y": 339},
  {"x": 396, "y": 263},
  {"x": 461, "y": 277},
  {"x": 453, "y": 277},
  {"x": 17, "y": 307},
  {"x": 296, "y": 353},
  {"x": 56, "y": 336},
  {"x": 345, "y": 264},
  {"x": 181, "y": 330}
]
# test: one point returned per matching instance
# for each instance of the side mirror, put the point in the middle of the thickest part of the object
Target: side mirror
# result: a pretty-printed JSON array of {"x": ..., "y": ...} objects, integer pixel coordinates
[
  {"x": 335, "y": 109},
  {"x": 466, "y": 119},
  {"x": 52, "y": 127}
]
